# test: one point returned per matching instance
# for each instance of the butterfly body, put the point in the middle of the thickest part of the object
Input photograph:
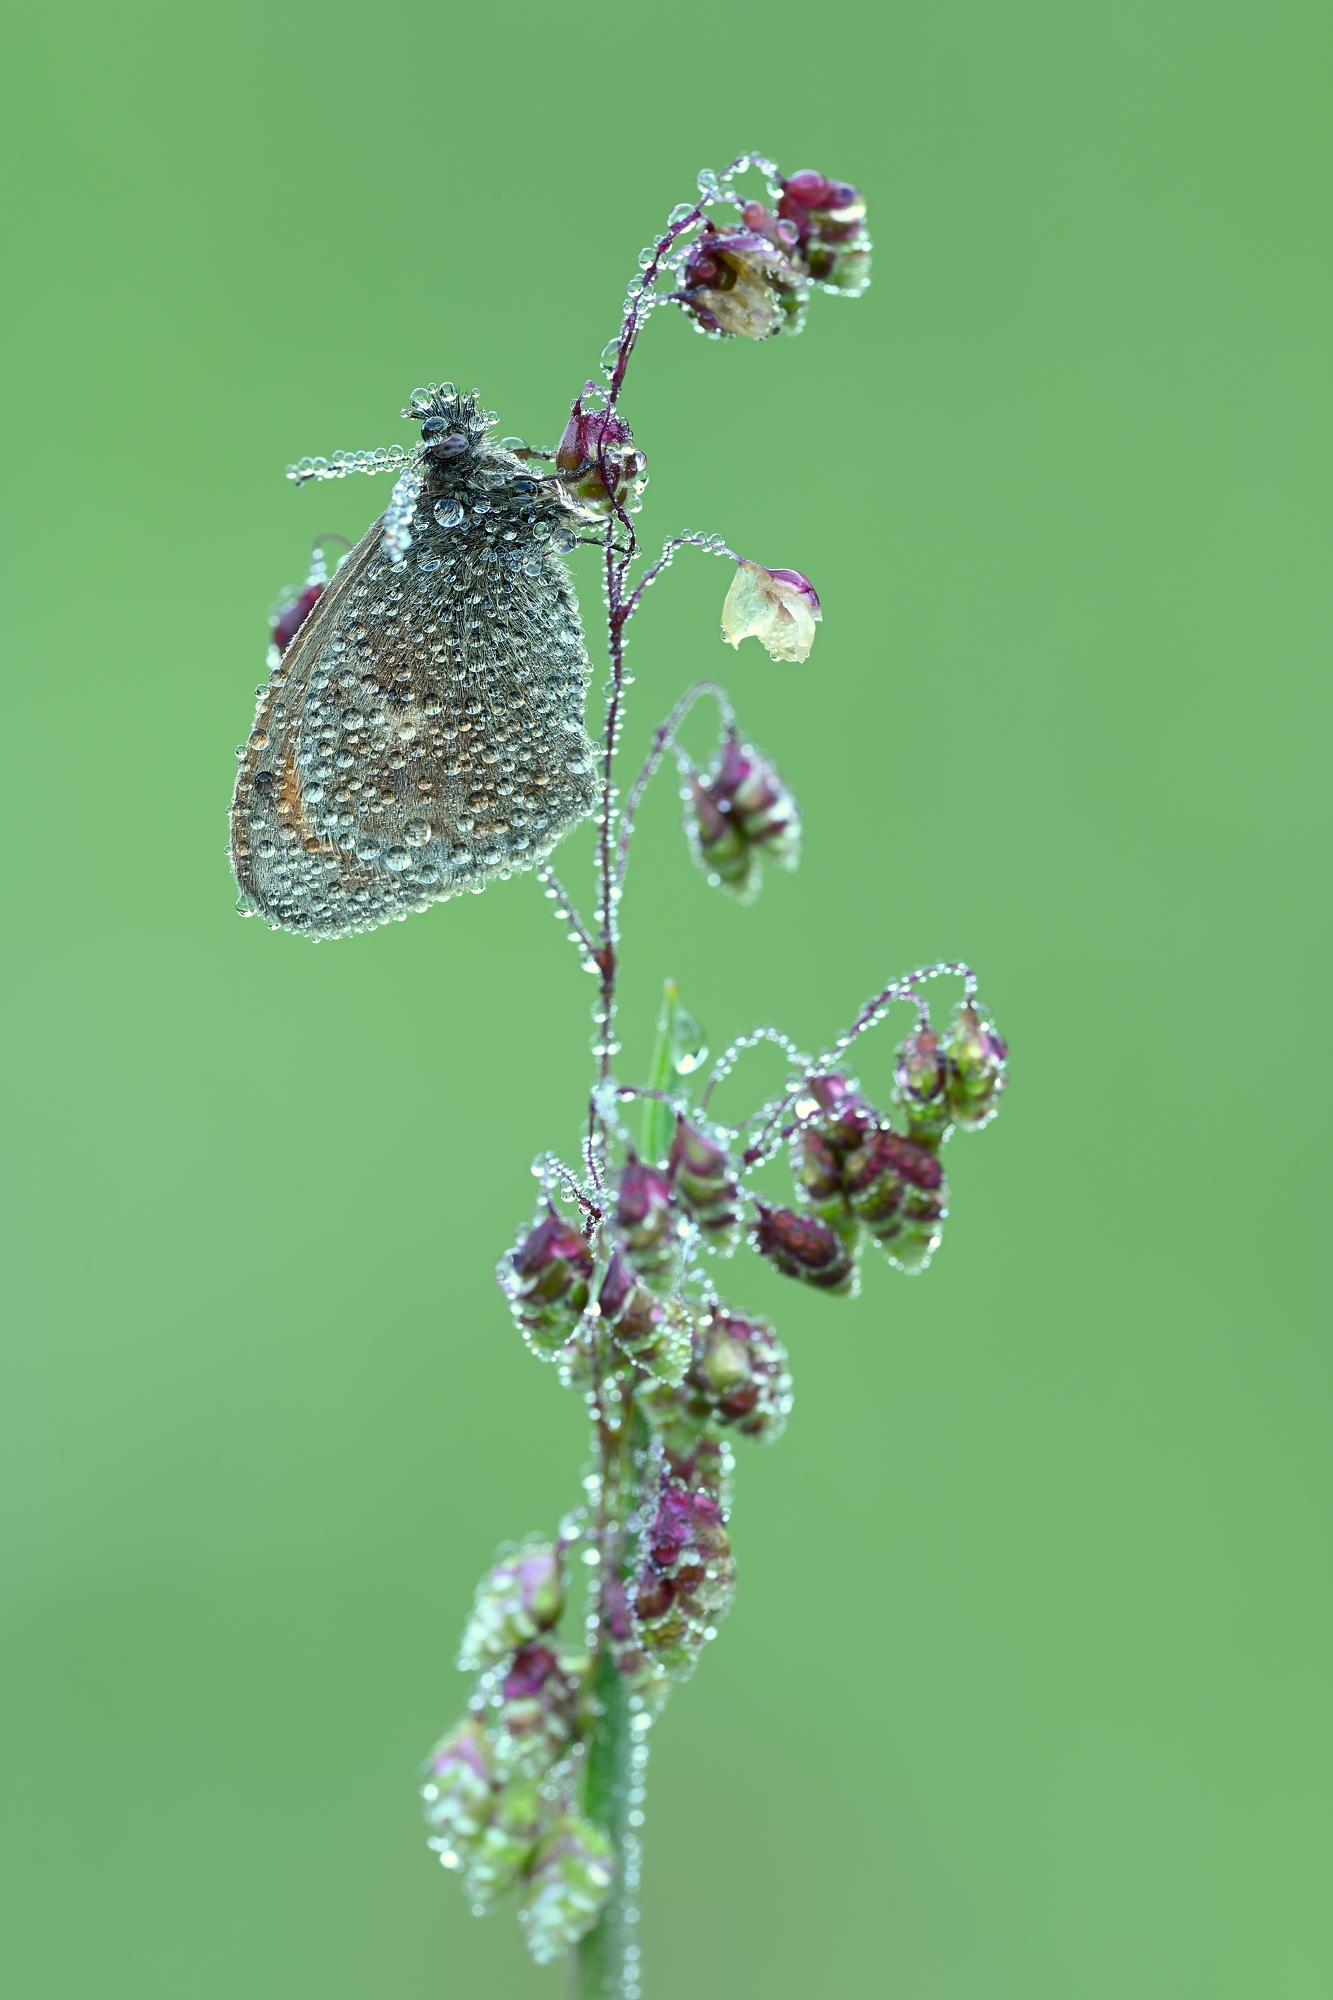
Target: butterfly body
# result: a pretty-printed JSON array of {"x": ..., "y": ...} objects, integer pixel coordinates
[{"x": 423, "y": 731}]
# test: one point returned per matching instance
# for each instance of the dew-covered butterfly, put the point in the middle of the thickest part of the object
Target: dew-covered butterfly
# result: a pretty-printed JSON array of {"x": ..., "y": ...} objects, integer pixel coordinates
[{"x": 422, "y": 728}]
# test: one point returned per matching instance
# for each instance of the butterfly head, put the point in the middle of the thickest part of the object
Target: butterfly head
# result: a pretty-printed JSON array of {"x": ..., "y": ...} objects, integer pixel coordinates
[{"x": 453, "y": 426}]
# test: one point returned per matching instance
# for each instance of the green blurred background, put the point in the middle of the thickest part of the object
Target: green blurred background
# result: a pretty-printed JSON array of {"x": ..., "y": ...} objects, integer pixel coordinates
[{"x": 1025, "y": 1692}]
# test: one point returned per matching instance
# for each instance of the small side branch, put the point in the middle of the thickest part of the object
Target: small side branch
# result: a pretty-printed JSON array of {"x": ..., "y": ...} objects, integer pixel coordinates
[{"x": 663, "y": 740}]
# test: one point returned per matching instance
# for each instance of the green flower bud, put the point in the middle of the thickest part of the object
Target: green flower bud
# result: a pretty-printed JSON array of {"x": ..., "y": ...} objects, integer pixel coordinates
[
  {"x": 920, "y": 1088},
  {"x": 502, "y": 1853},
  {"x": 977, "y": 1061},
  {"x": 457, "y": 1791},
  {"x": 568, "y": 1883},
  {"x": 521, "y": 1596},
  {"x": 545, "y": 1278},
  {"x": 708, "y": 1184}
]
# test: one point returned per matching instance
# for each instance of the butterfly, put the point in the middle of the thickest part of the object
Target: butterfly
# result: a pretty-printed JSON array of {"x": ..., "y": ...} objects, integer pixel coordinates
[{"x": 422, "y": 733}]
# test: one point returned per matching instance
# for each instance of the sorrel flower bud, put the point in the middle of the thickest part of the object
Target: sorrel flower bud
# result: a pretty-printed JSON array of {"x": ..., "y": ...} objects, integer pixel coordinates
[
  {"x": 593, "y": 439},
  {"x": 779, "y": 607},
  {"x": 568, "y": 1883},
  {"x": 707, "y": 1182},
  {"x": 801, "y": 1246},
  {"x": 977, "y": 1058},
  {"x": 685, "y": 1579},
  {"x": 521, "y": 1596},
  {"x": 740, "y": 281},
  {"x": 832, "y": 243},
  {"x": 545, "y": 1278},
  {"x": 457, "y": 1791},
  {"x": 506, "y": 1845},
  {"x": 649, "y": 1224},
  {"x": 739, "y": 1374},
  {"x": 654, "y": 1332},
  {"x": 920, "y": 1088},
  {"x": 739, "y": 809}
]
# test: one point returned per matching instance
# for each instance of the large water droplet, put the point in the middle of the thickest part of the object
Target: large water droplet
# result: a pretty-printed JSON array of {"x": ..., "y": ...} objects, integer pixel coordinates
[{"x": 448, "y": 513}]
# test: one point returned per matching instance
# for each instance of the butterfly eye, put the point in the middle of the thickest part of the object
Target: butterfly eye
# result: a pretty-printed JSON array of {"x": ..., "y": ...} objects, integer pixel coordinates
[{"x": 445, "y": 447}]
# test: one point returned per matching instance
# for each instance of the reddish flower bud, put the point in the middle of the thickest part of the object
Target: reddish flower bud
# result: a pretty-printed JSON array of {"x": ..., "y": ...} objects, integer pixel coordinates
[
  {"x": 545, "y": 1278},
  {"x": 739, "y": 809},
  {"x": 740, "y": 281},
  {"x": 594, "y": 439},
  {"x": 832, "y": 243},
  {"x": 649, "y": 1224},
  {"x": 685, "y": 1578},
  {"x": 568, "y": 1883},
  {"x": 977, "y": 1055},
  {"x": 707, "y": 1182},
  {"x": 801, "y": 1246},
  {"x": 652, "y": 1331}
]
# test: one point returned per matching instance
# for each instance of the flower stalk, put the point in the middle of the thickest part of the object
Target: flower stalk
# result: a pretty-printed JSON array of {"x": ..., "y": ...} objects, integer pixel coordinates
[{"x": 618, "y": 1280}]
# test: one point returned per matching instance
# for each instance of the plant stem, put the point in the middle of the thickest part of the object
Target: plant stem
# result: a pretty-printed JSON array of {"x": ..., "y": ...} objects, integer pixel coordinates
[
  {"x": 600, "y": 1958},
  {"x": 599, "y": 1962},
  {"x": 658, "y": 1122}
]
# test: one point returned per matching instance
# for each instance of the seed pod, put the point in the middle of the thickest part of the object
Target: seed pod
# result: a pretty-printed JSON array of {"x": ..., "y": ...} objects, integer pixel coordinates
[
  {"x": 652, "y": 1331},
  {"x": 457, "y": 1791},
  {"x": 545, "y": 1278},
  {"x": 977, "y": 1055},
  {"x": 685, "y": 1578},
  {"x": 505, "y": 1847},
  {"x": 568, "y": 1883},
  {"x": 649, "y": 1224},
  {"x": 920, "y": 1082},
  {"x": 708, "y": 1185},
  {"x": 520, "y": 1597},
  {"x": 739, "y": 810},
  {"x": 801, "y": 1246}
]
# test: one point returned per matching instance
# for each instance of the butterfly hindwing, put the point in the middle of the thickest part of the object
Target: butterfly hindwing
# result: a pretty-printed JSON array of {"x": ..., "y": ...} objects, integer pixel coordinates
[{"x": 423, "y": 732}]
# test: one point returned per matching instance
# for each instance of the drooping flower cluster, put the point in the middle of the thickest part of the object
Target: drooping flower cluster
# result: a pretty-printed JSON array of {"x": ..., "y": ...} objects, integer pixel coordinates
[
  {"x": 752, "y": 278},
  {"x": 859, "y": 1176},
  {"x": 736, "y": 811}
]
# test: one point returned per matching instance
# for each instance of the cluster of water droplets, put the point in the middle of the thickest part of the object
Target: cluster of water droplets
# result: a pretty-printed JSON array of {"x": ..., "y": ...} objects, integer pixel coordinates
[{"x": 392, "y": 459}]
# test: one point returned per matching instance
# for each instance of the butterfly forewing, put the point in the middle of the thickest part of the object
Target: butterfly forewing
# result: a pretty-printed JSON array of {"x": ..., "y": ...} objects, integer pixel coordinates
[{"x": 423, "y": 732}]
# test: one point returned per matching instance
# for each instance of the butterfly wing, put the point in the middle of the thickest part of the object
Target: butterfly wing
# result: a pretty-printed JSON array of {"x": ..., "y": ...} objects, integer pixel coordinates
[{"x": 423, "y": 733}]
